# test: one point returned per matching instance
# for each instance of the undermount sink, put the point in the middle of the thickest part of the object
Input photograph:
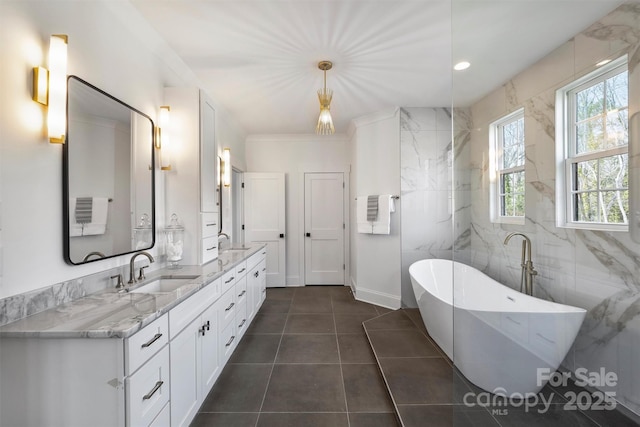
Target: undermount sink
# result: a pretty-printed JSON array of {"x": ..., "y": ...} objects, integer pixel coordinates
[{"x": 163, "y": 285}]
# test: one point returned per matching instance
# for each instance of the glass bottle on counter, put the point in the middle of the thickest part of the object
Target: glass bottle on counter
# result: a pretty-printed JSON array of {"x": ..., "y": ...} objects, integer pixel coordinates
[{"x": 174, "y": 233}]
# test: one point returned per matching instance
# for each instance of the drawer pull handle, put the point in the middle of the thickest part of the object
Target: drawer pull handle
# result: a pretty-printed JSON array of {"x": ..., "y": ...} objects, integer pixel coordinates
[
  {"x": 264, "y": 269},
  {"x": 211, "y": 224},
  {"x": 155, "y": 338},
  {"x": 230, "y": 280},
  {"x": 153, "y": 391},
  {"x": 256, "y": 274},
  {"x": 211, "y": 248},
  {"x": 230, "y": 306},
  {"x": 242, "y": 324},
  {"x": 233, "y": 337},
  {"x": 242, "y": 293},
  {"x": 243, "y": 269}
]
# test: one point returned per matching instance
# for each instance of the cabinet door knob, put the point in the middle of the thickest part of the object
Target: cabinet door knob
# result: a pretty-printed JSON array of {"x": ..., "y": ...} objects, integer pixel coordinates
[
  {"x": 281, "y": 235},
  {"x": 308, "y": 234}
]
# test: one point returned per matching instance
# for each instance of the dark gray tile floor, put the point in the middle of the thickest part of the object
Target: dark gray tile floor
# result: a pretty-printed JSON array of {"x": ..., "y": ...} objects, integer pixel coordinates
[
  {"x": 427, "y": 390},
  {"x": 305, "y": 361}
]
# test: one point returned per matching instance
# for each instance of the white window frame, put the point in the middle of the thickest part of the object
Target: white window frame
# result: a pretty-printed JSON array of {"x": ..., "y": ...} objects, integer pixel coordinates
[
  {"x": 565, "y": 147},
  {"x": 495, "y": 169}
]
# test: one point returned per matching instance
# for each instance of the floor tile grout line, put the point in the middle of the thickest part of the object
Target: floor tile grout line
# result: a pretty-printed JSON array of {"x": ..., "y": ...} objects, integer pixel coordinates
[
  {"x": 344, "y": 389},
  {"x": 273, "y": 365},
  {"x": 384, "y": 377}
]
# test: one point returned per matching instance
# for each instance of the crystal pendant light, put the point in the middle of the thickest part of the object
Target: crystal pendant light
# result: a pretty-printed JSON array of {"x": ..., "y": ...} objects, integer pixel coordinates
[{"x": 325, "y": 122}]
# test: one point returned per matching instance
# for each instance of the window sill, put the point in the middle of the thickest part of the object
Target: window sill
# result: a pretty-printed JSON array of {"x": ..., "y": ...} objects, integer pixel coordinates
[
  {"x": 515, "y": 220},
  {"x": 595, "y": 226}
]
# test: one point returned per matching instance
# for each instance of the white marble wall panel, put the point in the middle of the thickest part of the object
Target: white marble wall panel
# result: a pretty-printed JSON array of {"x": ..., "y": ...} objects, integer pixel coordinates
[
  {"x": 19, "y": 306},
  {"x": 426, "y": 188},
  {"x": 599, "y": 271}
]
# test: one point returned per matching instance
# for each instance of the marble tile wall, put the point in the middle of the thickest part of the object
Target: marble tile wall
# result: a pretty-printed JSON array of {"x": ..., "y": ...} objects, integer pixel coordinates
[
  {"x": 596, "y": 270},
  {"x": 426, "y": 189},
  {"x": 19, "y": 306}
]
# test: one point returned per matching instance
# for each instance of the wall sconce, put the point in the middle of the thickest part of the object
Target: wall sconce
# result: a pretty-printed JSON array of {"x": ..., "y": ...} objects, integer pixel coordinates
[
  {"x": 226, "y": 167},
  {"x": 50, "y": 88},
  {"x": 163, "y": 138}
]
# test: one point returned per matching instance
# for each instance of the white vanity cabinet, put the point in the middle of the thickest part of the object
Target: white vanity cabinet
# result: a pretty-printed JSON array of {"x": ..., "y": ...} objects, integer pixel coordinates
[
  {"x": 158, "y": 376},
  {"x": 256, "y": 283},
  {"x": 86, "y": 382},
  {"x": 193, "y": 352},
  {"x": 191, "y": 187}
]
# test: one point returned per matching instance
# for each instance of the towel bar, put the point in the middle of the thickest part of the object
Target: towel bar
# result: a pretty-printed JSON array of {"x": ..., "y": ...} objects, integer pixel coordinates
[{"x": 393, "y": 197}]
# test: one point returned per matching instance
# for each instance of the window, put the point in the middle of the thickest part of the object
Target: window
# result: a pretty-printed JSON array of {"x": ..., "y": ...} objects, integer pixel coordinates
[
  {"x": 592, "y": 141},
  {"x": 507, "y": 169}
]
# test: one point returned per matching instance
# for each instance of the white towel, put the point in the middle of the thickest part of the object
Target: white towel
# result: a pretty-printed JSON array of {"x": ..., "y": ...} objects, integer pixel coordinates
[
  {"x": 364, "y": 226},
  {"x": 98, "y": 224},
  {"x": 386, "y": 205}
]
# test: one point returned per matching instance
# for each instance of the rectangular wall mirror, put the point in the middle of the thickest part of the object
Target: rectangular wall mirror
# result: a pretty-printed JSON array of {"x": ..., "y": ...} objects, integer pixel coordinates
[{"x": 108, "y": 176}]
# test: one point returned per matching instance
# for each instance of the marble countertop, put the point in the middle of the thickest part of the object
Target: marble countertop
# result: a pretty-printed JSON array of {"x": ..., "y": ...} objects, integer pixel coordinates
[{"x": 112, "y": 314}]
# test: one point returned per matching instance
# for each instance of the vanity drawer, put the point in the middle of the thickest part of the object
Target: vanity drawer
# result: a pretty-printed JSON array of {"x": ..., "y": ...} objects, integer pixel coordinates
[
  {"x": 145, "y": 343},
  {"x": 209, "y": 221},
  {"x": 209, "y": 249},
  {"x": 163, "y": 419},
  {"x": 184, "y": 313},
  {"x": 241, "y": 321},
  {"x": 241, "y": 269},
  {"x": 254, "y": 260},
  {"x": 228, "y": 280},
  {"x": 226, "y": 308},
  {"x": 241, "y": 290},
  {"x": 147, "y": 391},
  {"x": 227, "y": 342}
]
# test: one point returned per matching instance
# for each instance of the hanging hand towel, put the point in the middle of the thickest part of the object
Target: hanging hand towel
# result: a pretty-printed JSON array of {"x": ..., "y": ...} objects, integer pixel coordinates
[
  {"x": 98, "y": 224},
  {"x": 372, "y": 208},
  {"x": 96, "y": 212},
  {"x": 386, "y": 205},
  {"x": 364, "y": 226}
]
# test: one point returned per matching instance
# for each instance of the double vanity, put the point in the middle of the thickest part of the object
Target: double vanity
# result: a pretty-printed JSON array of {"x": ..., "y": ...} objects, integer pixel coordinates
[{"x": 144, "y": 356}]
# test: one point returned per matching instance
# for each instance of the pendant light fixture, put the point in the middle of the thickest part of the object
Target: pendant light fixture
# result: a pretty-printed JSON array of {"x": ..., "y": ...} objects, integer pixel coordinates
[{"x": 325, "y": 122}]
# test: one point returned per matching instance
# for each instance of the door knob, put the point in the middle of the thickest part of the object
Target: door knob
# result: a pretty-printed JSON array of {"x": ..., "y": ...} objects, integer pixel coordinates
[
  {"x": 281, "y": 236},
  {"x": 308, "y": 234}
]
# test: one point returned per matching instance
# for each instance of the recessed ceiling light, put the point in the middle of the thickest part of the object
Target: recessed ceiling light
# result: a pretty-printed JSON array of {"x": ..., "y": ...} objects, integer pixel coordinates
[
  {"x": 601, "y": 63},
  {"x": 463, "y": 65}
]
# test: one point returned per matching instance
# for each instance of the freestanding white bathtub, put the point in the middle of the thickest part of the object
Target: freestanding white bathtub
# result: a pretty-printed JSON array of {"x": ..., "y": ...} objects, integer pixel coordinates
[{"x": 497, "y": 337}]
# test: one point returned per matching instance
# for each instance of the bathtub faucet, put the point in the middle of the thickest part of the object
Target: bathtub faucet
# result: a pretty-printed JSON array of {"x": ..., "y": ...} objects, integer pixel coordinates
[{"x": 526, "y": 278}]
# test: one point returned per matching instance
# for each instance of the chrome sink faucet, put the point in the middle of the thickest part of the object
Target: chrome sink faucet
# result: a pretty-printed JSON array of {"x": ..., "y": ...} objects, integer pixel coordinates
[
  {"x": 132, "y": 276},
  {"x": 526, "y": 278},
  {"x": 223, "y": 234}
]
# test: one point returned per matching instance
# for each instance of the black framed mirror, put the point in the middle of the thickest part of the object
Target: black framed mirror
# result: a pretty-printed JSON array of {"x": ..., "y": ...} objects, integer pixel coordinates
[{"x": 108, "y": 176}]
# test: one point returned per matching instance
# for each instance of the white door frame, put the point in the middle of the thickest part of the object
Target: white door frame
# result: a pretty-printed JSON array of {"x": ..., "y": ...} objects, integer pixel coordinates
[{"x": 347, "y": 220}]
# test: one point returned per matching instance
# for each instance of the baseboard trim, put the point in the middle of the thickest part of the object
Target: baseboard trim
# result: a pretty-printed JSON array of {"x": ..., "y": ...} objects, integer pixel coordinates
[{"x": 382, "y": 299}]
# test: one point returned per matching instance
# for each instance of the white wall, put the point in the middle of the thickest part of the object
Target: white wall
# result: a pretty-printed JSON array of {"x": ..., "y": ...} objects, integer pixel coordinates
[
  {"x": 294, "y": 155},
  {"x": 375, "y": 146},
  {"x": 113, "y": 48}
]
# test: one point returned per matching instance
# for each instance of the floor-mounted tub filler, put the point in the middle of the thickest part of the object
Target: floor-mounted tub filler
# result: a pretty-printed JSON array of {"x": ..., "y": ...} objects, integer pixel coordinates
[{"x": 503, "y": 341}]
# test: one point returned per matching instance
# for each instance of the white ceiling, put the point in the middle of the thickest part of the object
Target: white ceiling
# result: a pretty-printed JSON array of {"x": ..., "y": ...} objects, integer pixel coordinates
[{"x": 259, "y": 58}]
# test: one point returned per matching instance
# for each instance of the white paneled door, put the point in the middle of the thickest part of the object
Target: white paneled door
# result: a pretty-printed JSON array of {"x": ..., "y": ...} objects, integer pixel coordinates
[
  {"x": 264, "y": 220},
  {"x": 324, "y": 229}
]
